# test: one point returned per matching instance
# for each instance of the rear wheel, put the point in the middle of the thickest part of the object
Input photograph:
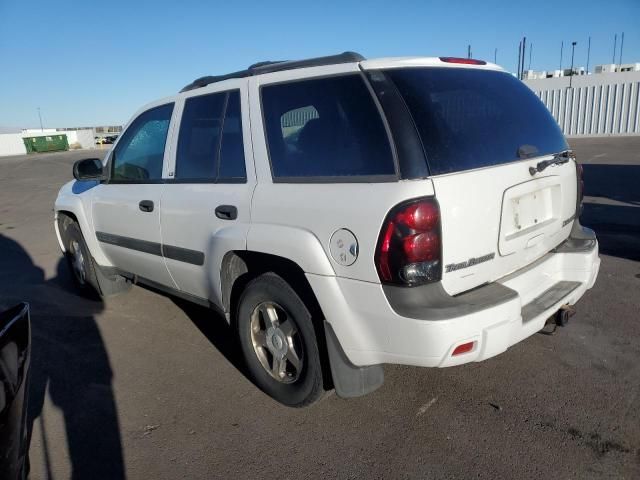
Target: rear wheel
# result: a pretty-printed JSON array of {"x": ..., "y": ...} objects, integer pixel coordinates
[{"x": 278, "y": 342}]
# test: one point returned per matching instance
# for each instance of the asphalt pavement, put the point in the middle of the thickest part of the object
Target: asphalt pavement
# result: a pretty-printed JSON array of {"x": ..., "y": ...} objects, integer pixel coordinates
[{"x": 147, "y": 386}]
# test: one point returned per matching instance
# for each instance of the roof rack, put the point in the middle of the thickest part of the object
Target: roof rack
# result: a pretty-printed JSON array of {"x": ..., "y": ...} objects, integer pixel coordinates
[{"x": 277, "y": 66}]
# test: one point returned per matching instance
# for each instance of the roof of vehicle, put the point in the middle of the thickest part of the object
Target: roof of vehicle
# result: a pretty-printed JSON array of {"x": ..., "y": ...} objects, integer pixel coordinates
[
  {"x": 276, "y": 66},
  {"x": 345, "y": 57}
]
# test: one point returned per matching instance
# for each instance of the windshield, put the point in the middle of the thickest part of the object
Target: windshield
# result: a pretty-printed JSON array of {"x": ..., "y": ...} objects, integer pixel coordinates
[{"x": 471, "y": 118}]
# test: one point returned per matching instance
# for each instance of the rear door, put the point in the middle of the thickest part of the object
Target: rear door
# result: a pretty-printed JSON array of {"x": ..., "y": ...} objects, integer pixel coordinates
[
  {"x": 126, "y": 209},
  {"x": 482, "y": 131},
  {"x": 206, "y": 202}
]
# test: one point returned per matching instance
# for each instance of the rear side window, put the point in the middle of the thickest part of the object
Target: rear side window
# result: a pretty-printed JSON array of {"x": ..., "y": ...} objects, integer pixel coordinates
[
  {"x": 210, "y": 145},
  {"x": 139, "y": 154},
  {"x": 475, "y": 118},
  {"x": 327, "y": 127}
]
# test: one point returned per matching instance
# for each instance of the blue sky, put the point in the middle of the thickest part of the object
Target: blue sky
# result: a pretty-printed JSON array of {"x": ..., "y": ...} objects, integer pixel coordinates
[{"x": 95, "y": 63}]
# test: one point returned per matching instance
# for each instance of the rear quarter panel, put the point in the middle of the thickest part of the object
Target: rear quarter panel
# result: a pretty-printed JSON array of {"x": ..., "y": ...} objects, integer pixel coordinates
[{"x": 321, "y": 208}]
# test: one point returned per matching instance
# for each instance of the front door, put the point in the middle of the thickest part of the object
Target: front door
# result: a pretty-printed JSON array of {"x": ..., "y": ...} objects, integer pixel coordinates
[{"x": 126, "y": 208}]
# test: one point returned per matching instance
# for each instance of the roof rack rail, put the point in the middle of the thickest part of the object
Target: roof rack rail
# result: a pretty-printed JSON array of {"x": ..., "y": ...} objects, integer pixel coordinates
[{"x": 276, "y": 66}]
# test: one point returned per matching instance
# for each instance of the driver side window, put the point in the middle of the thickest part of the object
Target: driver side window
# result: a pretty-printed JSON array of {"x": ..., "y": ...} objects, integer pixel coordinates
[{"x": 139, "y": 154}]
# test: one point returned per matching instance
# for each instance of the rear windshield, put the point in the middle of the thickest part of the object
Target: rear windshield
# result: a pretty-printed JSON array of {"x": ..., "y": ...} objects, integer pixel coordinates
[{"x": 476, "y": 118}]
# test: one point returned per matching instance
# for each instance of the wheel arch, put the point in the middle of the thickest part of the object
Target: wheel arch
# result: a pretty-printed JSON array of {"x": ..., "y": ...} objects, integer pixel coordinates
[
  {"x": 62, "y": 220},
  {"x": 77, "y": 208},
  {"x": 240, "y": 267}
]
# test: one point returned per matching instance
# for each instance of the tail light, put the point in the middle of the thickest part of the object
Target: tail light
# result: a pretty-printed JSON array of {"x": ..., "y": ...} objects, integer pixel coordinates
[{"x": 410, "y": 246}]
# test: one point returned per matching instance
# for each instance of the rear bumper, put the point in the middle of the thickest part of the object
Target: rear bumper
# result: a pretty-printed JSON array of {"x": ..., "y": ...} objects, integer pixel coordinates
[{"x": 372, "y": 331}]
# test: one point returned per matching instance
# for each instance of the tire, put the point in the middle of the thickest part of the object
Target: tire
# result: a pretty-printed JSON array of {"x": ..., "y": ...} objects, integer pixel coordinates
[
  {"x": 278, "y": 342},
  {"x": 87, "y": 276},
  {"x": 79, "y": 259}
]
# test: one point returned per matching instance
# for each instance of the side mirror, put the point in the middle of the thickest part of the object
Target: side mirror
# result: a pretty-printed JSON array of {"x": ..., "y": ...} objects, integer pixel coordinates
[{"x": 88, "y": 169}]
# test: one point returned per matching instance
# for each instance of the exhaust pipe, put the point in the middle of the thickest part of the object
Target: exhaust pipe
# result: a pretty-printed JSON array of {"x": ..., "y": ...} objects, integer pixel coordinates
[{"x": 562, "y": 316}]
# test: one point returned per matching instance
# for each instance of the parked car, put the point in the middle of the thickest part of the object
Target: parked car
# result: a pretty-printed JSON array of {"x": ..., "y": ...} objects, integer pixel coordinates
[
  {"x": 343, "y": 213},
  {"x": 99, "y": 140},
  {"x": 15, "y": 354}
]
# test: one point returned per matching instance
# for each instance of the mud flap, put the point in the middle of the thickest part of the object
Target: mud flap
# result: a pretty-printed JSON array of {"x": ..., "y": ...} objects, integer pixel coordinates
[{"x": 350, "y": 380}]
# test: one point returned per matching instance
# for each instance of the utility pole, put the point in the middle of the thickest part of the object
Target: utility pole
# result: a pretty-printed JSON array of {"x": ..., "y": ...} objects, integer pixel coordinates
[
  {"x": 40, "y": 117},
  {"x": 615, "y": 44},
  {"x": 495, "y": 55},
  {"x": 573, "y": 48},
  {"x": 524, "y": 50},
  {"x": 561, "y": 47},
  {"x": 530, "y": 53},
  {"x": 621, "y": 45},
  {"x": 588, "y": 54},
  {"x": 519, "y": 55},
  {"x": 468, "y": 51}
]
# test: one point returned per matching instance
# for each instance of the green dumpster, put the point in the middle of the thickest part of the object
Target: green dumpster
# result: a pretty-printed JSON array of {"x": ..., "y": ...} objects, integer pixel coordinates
[{"x": 46, "y": 143}]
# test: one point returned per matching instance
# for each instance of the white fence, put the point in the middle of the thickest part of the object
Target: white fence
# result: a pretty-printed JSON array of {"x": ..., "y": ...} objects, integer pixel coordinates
[{"x": 595, "y": 105}]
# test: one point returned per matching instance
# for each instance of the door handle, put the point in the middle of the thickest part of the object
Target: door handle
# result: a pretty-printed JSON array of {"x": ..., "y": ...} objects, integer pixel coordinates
[
  {"x": 146, "y": 205},
  {"x": 227, "y": 212}
]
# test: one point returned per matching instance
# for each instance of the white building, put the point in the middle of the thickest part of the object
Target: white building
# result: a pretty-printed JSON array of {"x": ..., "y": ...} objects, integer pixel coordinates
[{"x": 614, "y": 68}]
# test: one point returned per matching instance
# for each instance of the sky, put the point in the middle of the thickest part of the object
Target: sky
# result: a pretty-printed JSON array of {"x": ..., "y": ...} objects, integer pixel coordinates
[{"x": 88, "y": 63}]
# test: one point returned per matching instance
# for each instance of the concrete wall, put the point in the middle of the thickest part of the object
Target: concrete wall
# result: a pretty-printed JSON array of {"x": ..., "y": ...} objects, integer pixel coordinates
[
  {"x": 603, "y": 104},
  {"x": 12, "y": 144}
]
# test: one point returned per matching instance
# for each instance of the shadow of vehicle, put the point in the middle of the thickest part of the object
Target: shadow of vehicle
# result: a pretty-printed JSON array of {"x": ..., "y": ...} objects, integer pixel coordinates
[
  {"x": 612, "y": 208},
  {"x": 617, "y": 182},
  {"x": 69, "y": 362},
  {"x": 216, "y": 329}
]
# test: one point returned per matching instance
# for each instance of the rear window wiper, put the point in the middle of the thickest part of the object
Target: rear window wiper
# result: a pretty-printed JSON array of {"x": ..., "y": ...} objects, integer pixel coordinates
[{"x": 558, "y": 159}]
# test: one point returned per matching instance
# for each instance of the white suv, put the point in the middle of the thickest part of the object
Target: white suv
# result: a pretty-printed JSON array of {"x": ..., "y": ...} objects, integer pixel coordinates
[{"x": 342, "y": 213}]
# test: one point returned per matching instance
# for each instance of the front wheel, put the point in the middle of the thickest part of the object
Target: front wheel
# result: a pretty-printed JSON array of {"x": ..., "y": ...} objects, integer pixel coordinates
[
  {"x": 278, "y": 342},
  {"x": 87, "y": 276},
  {"x": 79, "y": 259}
]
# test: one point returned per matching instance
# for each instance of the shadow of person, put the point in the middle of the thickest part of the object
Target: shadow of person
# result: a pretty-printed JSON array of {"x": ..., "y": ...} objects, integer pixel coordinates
[{"x": 69, "y": 362}]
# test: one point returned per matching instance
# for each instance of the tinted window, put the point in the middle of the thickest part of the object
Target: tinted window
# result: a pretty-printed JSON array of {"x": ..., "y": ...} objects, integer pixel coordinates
[
  {"x": 200, "y": 137},
  {"x": 325, "y": 128},
  {"x": 475, "y": 118},
  {"x": 139, "y": 154},
  {"x": 232, "y": 148},
  {"x": 203, "y": 153}
]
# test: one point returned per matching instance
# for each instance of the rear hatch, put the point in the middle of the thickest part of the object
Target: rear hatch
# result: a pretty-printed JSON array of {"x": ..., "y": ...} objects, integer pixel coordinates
[{"x": 482, "y": 131}]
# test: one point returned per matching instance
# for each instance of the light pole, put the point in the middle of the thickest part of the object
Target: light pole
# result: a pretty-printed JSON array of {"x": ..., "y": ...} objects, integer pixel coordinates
[
  {"x": 573, "y": 48},
  {"x": 40, "y": 117}
]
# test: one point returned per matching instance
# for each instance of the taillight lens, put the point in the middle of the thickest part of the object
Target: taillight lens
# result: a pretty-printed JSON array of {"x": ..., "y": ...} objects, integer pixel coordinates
[{"x": 410, "y": 248}]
